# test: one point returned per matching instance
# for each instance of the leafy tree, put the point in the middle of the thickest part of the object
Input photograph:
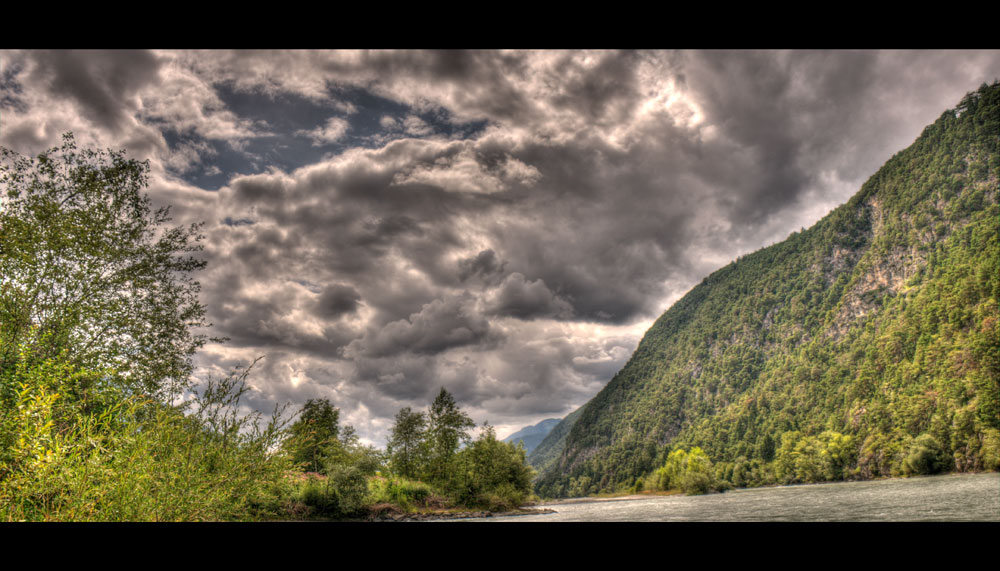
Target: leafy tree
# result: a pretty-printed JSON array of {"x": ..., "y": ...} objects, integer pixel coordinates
[
  {"x": 312, "y": 439},
  {"x": 407, "y": 448},
  {"x": 689, "y": 471},
  {"x": 492, "y": 473},
  {"x": 697, "y": 477},
  {"x": 339, "y": 465},
  {"x": 89, "y": 270},
  {"x": 447, "y": 429}
]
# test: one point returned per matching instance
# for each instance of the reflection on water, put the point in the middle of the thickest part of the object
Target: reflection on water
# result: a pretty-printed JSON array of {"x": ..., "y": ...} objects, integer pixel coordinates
[{"x": 966, "y": 497}]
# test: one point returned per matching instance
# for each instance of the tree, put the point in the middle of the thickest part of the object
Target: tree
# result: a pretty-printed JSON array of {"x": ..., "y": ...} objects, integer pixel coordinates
[
  {"x": 447, "y": 429},
  {"x": 407, "y": 448},
  {"x": 88, "y": 269},
  {"x": 690, "y": 471},
  {"x": 492, "y": 473},
  {"x": 312, "y": 439}
]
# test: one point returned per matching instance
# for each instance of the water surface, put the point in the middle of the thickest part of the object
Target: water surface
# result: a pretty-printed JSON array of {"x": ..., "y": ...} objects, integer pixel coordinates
[{"x": 961, "y": 497}]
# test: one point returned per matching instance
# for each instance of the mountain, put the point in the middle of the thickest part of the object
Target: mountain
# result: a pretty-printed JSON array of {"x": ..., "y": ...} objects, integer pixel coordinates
[
  {"x": 548, "y": 450},
  {"x": 867, "y": 345},
  {"x": 531, "y": 436}
]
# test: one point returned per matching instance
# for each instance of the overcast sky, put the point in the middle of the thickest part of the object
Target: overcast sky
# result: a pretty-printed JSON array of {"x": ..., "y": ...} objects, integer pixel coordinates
[{"x": 502, "y": 224}]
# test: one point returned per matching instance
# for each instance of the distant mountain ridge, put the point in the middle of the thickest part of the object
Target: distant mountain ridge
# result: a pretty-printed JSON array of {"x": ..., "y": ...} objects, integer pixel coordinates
[
  {"x": 877, "y": 330},
  {"x": 532, "y": 436},
  {"x": 548, "y": 450}
]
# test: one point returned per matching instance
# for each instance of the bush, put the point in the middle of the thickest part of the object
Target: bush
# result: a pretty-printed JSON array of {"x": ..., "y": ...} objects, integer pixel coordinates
[
  {"x": 407, "y": 494},
  {"x": 689, "y": 471},
  {"x": 132, "y": 459},
  {"x": 491, "y": 474},
  {"x": 925, "y": 456}
]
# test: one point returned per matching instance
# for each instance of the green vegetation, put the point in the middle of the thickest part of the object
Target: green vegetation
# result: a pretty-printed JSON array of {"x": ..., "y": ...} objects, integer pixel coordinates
[
  {"x": 105, "y": 457},
  {"x": 865, "y": 346},
  {"x": 689, "y": 471},
  {"x": 487, "y": 473},
  {"x": 99, "y": 418},
  {"x": 546, "y": 454},
  {"x": 92, "y": 273}
]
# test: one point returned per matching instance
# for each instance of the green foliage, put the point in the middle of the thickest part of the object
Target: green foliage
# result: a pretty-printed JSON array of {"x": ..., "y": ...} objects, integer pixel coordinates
[
  {"x": 343, "y": 493},
  {"x": 134, "y": 459},
  {"x": 97, "y": 308},
  {"x": 925, "y": 456},
  {"x": 878, "y": 324},
  {"x": 491, "y": 474},
  {"x": 688, "y": 471},
  {"x": 338, "y": 466},
  {"x": 820, "y": 458},
  {"x": 405, "y": 493},
  {"x": 447, "y": 429},
  {"x": 313, "y": 437},
  {"x": 407, "y": 448},
  {"x": 90, "y": 271},
  {"x": 487, "y": 473}
]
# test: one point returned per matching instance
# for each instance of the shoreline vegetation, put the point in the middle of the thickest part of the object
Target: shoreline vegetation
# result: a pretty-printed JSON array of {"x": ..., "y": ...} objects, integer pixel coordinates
[{"x": 102, "y": 420}]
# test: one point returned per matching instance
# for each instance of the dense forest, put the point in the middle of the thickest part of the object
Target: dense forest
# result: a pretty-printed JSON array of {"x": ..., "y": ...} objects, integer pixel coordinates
[
  {"x": 100, "y": 418},
  {"x": 865, "y": 346}
]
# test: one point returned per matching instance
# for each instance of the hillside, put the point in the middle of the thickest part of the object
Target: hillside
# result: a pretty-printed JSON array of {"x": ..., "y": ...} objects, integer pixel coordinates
[
  {"x": 878, "y": 325},
  {"x": 548, "y": 450},
  {"x": 532, "y": 436}
]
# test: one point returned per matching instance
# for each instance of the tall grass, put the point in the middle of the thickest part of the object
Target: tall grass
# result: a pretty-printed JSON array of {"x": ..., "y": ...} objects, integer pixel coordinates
[{"x": 113, "y": 458}]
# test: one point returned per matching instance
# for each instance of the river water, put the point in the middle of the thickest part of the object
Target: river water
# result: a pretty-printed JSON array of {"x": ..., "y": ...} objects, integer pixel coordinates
[{"x": 962, "y": 497}]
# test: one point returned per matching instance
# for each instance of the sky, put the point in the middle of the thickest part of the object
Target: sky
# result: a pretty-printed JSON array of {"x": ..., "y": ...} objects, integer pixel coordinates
[{"x": 503, "y": 224}]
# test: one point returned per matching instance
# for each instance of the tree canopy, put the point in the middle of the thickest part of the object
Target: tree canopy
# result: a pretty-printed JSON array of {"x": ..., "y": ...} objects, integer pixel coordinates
[
  {"x": 407, "y": 449},
  {"x": 90, "y": 270},
  {"x": 311, "y": 437},
  {"x": 448, "y": 428}
]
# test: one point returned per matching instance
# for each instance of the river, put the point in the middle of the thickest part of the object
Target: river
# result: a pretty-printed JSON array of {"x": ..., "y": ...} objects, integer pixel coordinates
[{"x": 956, "y": 497}]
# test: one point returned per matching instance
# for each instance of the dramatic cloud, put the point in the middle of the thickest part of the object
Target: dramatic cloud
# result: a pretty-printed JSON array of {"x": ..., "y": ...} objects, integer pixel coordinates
[{"x": 380, "y": 224}]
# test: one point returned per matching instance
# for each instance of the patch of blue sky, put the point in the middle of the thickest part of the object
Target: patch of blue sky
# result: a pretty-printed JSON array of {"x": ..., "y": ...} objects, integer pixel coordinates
[
  {"x": 10, "y": 89},
  {"x": 287, "y": 119}
]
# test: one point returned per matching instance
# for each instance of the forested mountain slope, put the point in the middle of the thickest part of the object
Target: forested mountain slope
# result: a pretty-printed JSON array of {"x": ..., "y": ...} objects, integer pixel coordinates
[
  {"x": 532, "y": 436},
  {"x": 548, "y": 450},
  {"x": 875, "y": 330}
]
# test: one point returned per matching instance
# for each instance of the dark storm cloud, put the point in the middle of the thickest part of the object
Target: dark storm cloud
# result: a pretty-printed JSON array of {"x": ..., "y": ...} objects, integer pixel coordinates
[
  {"x": 485, "y": 265},
  {"x": 503, "y": 224},
  {"x": 337, "y": 300},
  {"x": 517, "y": 297},
  {"x": 603, "y": 94},
  {"x": 440, "y": 325},
  {"x": 103, "y": 83},
  {"x": 777, "y": 112}
]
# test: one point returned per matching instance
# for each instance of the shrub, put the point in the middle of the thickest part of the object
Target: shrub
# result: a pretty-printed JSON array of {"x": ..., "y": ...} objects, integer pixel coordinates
[{"x": 925, "y": 456}]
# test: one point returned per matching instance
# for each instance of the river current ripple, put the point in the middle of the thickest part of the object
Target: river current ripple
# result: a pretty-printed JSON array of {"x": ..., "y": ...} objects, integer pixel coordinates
[{"x": 961, "y": 497}]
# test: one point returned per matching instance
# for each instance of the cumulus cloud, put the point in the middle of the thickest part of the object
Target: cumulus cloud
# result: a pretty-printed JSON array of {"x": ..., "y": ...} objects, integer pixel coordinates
[
  {"x": 517, "y": 262},
  {"x": 517, "y": 297},
  {"x": 440, "y": 325},
  {"x": 333, "y": 130}
]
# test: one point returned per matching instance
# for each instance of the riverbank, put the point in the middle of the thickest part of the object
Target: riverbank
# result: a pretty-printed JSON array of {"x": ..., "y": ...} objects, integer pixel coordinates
[
  {"x": 389, "y": 512},
  {"x": 611, "y": 497}
]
